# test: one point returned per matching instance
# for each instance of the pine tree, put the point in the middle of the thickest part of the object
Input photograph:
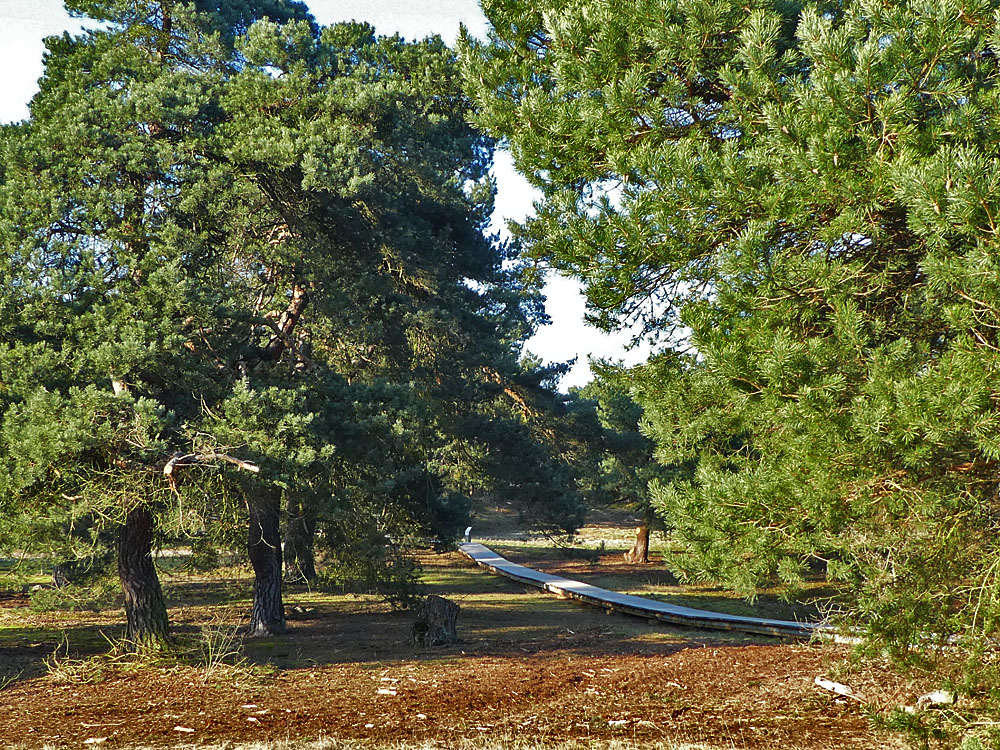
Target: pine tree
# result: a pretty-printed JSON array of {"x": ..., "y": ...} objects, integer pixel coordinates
[
  {"x": 101, "y": 281},
  {"x": 623, "y": 465},
  {"x": 244, "y": 265},
  {"x": 417, "y": 295},
  {"x": 799, "y": 199}
]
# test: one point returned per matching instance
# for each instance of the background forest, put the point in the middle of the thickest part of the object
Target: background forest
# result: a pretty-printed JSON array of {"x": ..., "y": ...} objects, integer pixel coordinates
[{"x": 249, "y": 300}]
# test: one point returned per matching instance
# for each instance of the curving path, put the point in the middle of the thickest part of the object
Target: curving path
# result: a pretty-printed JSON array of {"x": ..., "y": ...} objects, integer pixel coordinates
[{"x": 612, "y": 601}]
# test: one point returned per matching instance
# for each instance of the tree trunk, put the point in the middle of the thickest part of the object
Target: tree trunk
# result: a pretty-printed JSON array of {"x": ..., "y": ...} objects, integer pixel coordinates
[
  {"x": 145, "y": 607},
  {"x": 640, "y": 550},
  {"x": 300, "y": 533},
  {"x": 267, "y": 616}
]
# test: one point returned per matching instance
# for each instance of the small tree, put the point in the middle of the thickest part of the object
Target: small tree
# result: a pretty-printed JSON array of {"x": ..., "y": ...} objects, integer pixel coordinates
[{"x": 624, "y": 465}]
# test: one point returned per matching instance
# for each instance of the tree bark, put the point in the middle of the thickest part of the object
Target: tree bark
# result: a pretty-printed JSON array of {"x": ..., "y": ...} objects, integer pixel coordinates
[
  {"x": 640, "y": 550},
  {"x": 437, "y": 622},
  {"x": 145, "y": 607},
  {"x": 267, "y": 615},
  {"x": 286, "y": 325},
  {"x": 300, "y": 534}
]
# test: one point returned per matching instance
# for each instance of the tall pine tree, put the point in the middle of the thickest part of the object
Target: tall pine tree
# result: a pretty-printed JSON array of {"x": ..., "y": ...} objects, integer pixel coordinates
[
  {"x": 800, "y": 199},
  {"x": 245, "y": 260}
]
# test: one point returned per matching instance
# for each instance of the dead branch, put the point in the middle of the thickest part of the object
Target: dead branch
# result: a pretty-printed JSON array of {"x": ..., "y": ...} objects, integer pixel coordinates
[
  {"x": 285, "y": 326},
  {"x": 180, "y": 460}
]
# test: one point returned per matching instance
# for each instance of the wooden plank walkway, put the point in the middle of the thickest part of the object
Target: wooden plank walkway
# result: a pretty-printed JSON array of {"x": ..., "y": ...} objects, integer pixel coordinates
[{"x": 613, "y": 601}]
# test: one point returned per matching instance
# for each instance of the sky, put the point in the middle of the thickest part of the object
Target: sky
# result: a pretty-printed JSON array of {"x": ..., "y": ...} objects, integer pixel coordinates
[{"x": 23, "y": 24}]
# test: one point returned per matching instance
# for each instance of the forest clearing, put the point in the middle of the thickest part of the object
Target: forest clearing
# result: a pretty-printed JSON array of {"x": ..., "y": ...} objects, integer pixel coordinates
[
  {"x": 530, "y": 670},
  {"x": 258, "y": 313}
]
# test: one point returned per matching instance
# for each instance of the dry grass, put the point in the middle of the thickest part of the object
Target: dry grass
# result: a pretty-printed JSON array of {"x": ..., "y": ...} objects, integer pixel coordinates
[{"x": 492, "y": 743}]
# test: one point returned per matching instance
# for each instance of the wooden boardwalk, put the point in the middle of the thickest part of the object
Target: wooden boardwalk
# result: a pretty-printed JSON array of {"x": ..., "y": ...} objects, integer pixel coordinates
[{"x": 612, "y": 601}]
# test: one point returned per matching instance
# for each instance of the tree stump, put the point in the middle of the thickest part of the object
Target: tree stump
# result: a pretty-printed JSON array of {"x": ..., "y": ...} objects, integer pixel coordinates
[
  {"x": 60, "y": 575},
  {"x": 640, "y": 550},
  {"x": 436, "y": 623}
]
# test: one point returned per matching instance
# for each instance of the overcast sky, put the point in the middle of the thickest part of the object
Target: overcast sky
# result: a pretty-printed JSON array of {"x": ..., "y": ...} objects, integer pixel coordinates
[{"x": 23, "y": 24}]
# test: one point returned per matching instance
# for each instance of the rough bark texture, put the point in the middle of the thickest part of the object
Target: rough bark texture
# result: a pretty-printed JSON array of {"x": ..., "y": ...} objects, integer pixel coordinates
[
  {"x": 640, "y": 550},
  {"x": 145, "y": 607},
  {"x": 300, "y": 534},
  {"x": 267, "y": 616},
  {"x": 282, "y": 338},
  {"x": 437, "y": 622}
]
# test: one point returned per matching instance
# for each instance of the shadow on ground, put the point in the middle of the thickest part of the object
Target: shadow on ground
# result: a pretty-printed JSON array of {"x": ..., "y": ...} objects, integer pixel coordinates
[{"x": 498, "y": 618}]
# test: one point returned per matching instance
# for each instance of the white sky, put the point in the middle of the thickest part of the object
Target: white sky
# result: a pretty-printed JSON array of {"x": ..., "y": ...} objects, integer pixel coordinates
[{"x": 23, "y": 24}]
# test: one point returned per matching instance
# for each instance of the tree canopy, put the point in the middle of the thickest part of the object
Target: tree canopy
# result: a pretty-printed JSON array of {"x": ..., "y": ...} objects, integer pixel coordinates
[{"x": 245, "y": 268}]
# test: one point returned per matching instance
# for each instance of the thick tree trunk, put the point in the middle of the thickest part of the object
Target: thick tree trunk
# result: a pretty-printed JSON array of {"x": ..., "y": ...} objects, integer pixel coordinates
[
  {"x": 300, "y": 534},
  {"x": 145, "y": 607},
  {"x": 640, "y": 550},
  {"x": 267, "y": 616}
]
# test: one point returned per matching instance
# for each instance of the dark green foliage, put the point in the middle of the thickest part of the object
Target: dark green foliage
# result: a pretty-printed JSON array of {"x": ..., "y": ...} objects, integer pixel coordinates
[
  {"x": 624, "y": 464},
  {"x": 360, "y": 557},
  {"x": 245, "y": 266}
]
